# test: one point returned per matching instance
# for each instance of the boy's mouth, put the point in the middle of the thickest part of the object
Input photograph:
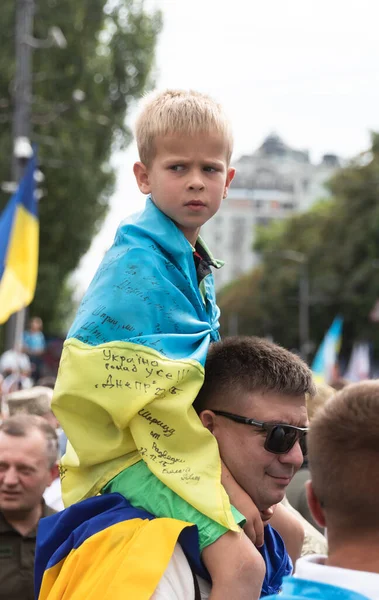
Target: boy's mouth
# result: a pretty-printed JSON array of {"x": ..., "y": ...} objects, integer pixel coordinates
[{"x": 195, "y": 203}]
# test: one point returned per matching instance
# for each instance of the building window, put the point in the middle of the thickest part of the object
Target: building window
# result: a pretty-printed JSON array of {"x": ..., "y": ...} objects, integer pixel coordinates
[{"x": 263, "y": 221}]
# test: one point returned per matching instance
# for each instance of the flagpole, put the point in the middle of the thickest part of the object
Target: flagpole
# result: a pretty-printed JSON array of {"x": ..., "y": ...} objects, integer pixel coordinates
[{"x": 22, "y": 95}]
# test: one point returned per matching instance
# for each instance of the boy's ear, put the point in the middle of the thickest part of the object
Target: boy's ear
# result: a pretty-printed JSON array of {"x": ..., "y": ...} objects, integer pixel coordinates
[
  {"x": 315, "y": 505},
  {"x": 142, "y": 176},
  {"x": 229, "y": 179}
]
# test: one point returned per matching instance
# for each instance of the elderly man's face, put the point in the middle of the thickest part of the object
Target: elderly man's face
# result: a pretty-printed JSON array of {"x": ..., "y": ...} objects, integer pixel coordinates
[
  {"x": 262, "y": 474},
  {"x": 24, "y": 471}
]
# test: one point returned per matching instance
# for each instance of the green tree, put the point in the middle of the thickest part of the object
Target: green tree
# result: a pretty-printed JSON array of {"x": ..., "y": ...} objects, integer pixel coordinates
[
  {"x": 339, "y": 240},
  {"x": 81, "y": 97}
]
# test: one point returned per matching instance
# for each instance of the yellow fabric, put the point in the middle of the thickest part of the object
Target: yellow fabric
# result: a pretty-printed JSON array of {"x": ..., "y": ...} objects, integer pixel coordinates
[
  {"x": 114, "y": 415},
  {"x": 124, "y": 561},
  {"x": 17, "y": 285}
]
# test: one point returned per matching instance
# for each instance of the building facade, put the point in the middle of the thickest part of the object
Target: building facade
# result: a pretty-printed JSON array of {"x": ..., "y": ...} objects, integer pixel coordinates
[{"x": 274, "y": 182}]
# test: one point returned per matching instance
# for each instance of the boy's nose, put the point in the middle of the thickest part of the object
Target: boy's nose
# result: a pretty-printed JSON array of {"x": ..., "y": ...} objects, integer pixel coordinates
[{"x": 196, "y": 183}]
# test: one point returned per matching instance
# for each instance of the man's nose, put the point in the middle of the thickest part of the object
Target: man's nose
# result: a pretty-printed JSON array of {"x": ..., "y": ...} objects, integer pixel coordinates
[
  {"x": 294, "y": 456},
  {"x": 10, "y": 477}
]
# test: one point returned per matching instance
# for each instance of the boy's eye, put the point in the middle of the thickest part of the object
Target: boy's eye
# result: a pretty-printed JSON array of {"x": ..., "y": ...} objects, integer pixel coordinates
[
  {"x": 176, "y": 167},
  {"x": 210, "y": 169}
]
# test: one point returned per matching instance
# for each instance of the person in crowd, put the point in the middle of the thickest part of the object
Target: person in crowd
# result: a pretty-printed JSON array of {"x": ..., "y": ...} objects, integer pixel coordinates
[
  {"x": 34, "y": 345},
  {"x": 342, "y": 495},
  {"x": 257, "y": 416},
  {"x": 37, "y": 401},
  {"x": 296, "y": 491},
  {"x": 314, "y": 541},
  {"x": 16, "y": 370},
  {"x": 28, "y": 456},
  {"x": 339, "y": 383}
]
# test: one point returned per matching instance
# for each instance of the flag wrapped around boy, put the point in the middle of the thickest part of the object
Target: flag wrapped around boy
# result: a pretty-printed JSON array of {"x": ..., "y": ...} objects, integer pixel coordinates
[{"x": 132, "y": 365}]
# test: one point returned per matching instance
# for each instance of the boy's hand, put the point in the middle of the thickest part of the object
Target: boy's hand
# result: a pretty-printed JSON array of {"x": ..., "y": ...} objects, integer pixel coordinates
[
  {"x": 267, "y": 514},
  {"x": 253, "y": 527}
]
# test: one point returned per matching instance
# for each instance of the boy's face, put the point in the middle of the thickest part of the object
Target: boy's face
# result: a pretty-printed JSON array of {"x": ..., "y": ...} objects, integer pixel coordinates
[{"x": 187, "y": 178}]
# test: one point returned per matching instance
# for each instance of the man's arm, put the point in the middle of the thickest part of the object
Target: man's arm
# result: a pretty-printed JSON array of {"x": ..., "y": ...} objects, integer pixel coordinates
[{"x": 291, "y": 530}]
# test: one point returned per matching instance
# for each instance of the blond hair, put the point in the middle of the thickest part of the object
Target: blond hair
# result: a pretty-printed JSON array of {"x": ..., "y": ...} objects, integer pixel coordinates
[
  {"x": 179, "y": 112},
  {"x": 343, "y": 455},
  {"x": 314, "y": 403}
]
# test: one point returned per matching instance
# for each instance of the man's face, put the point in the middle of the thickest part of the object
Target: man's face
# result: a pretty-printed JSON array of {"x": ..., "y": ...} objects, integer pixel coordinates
[
  {"x": 24, "y": 471},
  {"x": 262, "y": 474},
  {"x": 188, "y": 178}
]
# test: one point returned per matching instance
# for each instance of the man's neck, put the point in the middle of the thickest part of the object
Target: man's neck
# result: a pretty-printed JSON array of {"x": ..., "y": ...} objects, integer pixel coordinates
[
  {"x": 24, "y": 521},
  {"x": 356, "y": 553}
]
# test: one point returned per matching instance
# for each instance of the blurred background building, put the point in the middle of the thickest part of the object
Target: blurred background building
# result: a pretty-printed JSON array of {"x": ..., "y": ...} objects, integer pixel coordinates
[{"x": 274, "y": 182}]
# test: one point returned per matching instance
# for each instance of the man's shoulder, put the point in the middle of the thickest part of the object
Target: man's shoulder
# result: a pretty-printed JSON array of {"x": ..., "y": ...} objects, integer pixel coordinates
[
  {"x": 304, "y": 589},
  {"x": 48, "y": 511},
  {"x": 5, "y": 527}
]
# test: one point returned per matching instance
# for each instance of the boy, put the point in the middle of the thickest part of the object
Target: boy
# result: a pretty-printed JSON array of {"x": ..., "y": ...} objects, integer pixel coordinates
[{"x": 133, "y": 361}]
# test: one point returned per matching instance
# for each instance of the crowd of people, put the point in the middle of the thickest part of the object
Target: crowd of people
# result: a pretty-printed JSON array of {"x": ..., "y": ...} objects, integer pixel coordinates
[{"x": 185, "y": 474}]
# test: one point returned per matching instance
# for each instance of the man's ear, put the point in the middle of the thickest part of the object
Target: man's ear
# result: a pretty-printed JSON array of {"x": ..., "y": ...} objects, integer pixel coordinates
[
  {"x": 207, "y": 418},
  {"x": 142, "y": 177},
  {"x": 53, "y": 473},
  {"x": 315, "y": 505}
]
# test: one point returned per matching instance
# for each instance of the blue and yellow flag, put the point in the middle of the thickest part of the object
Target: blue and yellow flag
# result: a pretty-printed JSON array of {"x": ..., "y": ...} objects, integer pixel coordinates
[
  {"x": 133, "y": 364},
  {"x": 19, "y": 233},
  {"x": 325, "y": 362},
  {"x": 104, "y": 549}
]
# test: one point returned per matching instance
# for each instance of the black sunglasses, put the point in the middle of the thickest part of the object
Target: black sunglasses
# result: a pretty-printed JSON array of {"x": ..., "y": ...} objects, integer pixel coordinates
[{"x": 280, "y": 437}]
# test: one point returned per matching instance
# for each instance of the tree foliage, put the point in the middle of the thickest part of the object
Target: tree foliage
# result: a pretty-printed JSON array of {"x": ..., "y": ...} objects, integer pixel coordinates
[
  {"x": 109, "y": 57},
  {"x": 339, "y": 241}
]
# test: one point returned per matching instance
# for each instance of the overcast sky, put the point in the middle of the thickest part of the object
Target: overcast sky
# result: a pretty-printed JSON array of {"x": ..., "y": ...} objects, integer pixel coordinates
[{"x": 306, "y": 69}]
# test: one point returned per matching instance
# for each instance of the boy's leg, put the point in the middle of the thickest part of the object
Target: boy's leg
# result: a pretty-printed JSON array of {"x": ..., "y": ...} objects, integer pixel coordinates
[{"x": 236, "y": 567}]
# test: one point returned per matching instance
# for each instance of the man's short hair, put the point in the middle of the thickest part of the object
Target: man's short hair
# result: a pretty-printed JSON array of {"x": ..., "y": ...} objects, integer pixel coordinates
[
  {"x": 239, "y": 364},
  {"x": 21, "y": 425},
  {"x": 343, "y": 446},
  {"x": 185, "y": 113}
]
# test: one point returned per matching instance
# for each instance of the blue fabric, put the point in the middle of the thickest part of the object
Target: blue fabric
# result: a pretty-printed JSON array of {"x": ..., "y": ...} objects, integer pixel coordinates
[
  {"x": 68, "y": 529},
  {"x": 302, "y": 589},
  {"x": 34, "y": 340},
  {"x": 151, "y": 267},
  {"x": 151, "y": 270},
  {"x": 278, "y": 562}
]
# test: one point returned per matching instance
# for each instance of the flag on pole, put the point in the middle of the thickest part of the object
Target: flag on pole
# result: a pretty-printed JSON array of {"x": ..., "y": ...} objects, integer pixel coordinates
[
  {"x": 19, "y": 234},
  {"x": 325, "y": 361}
]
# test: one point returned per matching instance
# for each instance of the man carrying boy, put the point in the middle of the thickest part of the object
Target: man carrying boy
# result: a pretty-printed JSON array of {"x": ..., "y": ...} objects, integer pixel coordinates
[
  {"x": 253, "y": 403},
  {"x": 134, "y": 359}
]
